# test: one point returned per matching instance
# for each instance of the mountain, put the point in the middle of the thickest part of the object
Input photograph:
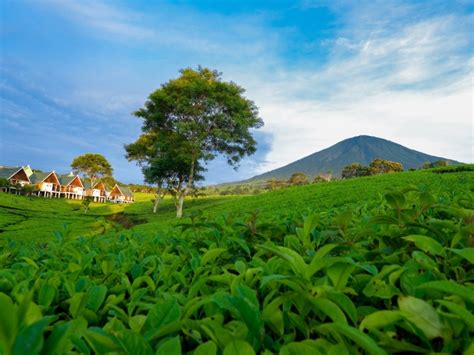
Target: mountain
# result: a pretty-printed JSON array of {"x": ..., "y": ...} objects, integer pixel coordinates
[{"x": 361, "y": 149}]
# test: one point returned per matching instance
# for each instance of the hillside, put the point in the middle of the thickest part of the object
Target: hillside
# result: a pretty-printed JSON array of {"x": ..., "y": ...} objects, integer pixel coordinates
[
  {"x": 23, "y": 218},
  {"x": 373, "y": 265},
  {"x": 361, "y": 149}
]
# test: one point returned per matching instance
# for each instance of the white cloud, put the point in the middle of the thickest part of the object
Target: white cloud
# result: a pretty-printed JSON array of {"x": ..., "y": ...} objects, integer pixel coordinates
[{"x": 412, "y": 86}]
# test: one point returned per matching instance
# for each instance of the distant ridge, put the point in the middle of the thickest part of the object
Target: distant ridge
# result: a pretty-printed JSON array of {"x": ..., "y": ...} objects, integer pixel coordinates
[{"x": 360, "y": 149}]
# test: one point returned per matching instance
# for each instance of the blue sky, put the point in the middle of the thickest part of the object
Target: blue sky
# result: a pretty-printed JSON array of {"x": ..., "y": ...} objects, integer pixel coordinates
[{"x": 71, "y": 73}]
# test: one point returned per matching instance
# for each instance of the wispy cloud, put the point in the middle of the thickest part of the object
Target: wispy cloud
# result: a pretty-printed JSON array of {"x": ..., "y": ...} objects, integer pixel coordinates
[
  {"x": 411, "y": 85},
  {"x": 104, "y": 18},
  {"x": 170, "y": 26}
]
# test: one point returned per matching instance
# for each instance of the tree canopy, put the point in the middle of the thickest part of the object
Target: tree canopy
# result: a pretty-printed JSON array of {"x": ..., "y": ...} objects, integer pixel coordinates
[
  {"x": 298, "y": 179},
  {"x": 187, "y": 122},
  {"x": 435, "y": 164},
  {"x": 354, "y": 170},
  {"x": 378, "y": 166},
  {"x": 93, "y": 166},
  {"x": 381, "y": 166}
]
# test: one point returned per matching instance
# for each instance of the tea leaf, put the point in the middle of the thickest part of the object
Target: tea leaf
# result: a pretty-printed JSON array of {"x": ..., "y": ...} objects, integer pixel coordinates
[
  {"x": 211, "y": 255},
  {"x": 427, "y": 244},
  {"x": 208, "y": 348},
  {"x": 30, "y": 339},
  {"x": 96, "y": 297},
  {"x": 450, "y": 288},
  {"x": 461, "y": 312},
  {"x": 466, "y": 253},
  {"x": 238, "y": 347},
  {"x": 162, "y": 314},
  {"x": 380, "y": 319},
  {"x": 422, "y": 315},
  {"x": 361, "y": 339},
  {"x": 170, "y": 346},
  {"x": 101, "y": 341}
]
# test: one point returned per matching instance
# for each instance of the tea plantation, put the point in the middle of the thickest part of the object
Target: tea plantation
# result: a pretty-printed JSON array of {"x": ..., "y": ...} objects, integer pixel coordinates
[{"x": 374, "y": 265}]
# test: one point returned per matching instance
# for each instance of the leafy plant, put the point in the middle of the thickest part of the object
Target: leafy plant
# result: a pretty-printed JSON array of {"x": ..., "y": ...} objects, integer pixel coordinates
[{"x": 393, "y": 274}]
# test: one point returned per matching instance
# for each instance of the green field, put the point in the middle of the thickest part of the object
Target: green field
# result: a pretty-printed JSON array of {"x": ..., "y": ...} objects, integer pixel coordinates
[
  {"x": 39, "y": 218},
  {"x": 377, "y": 265}
]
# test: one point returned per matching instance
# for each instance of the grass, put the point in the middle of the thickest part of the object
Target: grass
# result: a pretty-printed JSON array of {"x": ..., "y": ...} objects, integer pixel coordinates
[{"x": 38, "y": 218}]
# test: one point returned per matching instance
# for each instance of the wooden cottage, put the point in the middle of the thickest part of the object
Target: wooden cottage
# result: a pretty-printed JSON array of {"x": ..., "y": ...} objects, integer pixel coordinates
[
  {"x": 47, "y": 183},
  {"x": 98, "y": 192},
  {"x": 16, "y": 175},
  {"x": 71, "y": 186},
  {"x": 121, "y": 194}
]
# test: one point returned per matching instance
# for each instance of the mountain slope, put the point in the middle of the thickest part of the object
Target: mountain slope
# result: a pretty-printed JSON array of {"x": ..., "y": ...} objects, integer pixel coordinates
[{"x": 361, "y": 149}]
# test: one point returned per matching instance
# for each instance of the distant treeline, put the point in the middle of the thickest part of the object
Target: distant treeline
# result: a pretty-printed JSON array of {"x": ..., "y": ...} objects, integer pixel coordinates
[{"x": 377, "y": 167}]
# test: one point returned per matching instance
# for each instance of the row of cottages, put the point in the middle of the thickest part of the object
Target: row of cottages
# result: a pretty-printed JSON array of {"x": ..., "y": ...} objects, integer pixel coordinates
[{"x": 67, "y": 185}]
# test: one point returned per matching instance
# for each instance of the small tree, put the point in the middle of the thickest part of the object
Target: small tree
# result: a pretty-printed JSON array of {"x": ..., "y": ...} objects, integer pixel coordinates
[
  {"x": 319, "y": 179},
  {"x": 435, "y": 164},
  {"x": 29, "y": 190},
  {"x": 93, "y": 166},
  {"x": 355, "y": 170},
  {"x": 381, "y": 166},
  {"x": 4, "y": 184},
  {"x": 271, "y": 184},
  {"x": 191, "y": 120},
  {"x": 108, "y": 181},
  {"x": 86, "y": 202},
  {"x": 298, "y": 179}
]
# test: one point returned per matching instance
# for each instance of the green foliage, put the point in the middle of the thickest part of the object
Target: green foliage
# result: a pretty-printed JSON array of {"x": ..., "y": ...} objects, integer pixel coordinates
[
  {"x": 273, "y": 184},
  {"x": 86, "y": 202},
  {"x": 355, "y": 170},
  {"x": 322, "y": 178},
  {"x": 381, "y": 166},
  {"x": 187, "y": 122},
  {"x": 29, "y": 190},
  {"x": 298, "y": 179},
  {"x": 4, "y": 183},
  {"x": 392, "y": 274},
  {"x": 435, "y": 164},
  {"x": 377, "y": 166},
  {"x": 93, "y": 166},
  {"x": 454, "y": 169}
]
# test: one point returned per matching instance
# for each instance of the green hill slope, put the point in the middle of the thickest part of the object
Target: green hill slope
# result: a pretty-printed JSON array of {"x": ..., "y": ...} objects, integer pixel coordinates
[
  {"x": 347, "y": 267},
  {"x": 37, "y": 218},
  {"x": 361, "y": 149},
  {"x": 298, "y": 200}
]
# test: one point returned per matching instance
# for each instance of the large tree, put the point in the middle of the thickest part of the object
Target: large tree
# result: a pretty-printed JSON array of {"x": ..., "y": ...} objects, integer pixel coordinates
[
  {"x": 92, "y": 166},
  {"x": 192, "y": 119}
]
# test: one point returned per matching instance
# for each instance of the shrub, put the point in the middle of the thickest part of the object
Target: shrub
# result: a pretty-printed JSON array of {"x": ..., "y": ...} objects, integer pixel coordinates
[{"x": 298, "y": 179}]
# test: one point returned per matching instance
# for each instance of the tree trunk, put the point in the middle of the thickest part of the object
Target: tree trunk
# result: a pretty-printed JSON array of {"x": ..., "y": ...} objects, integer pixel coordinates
[
  {"x": 180, "y": 203},
  {"x": 182, "y": 192},
  {"x": 158, "y": 199}
]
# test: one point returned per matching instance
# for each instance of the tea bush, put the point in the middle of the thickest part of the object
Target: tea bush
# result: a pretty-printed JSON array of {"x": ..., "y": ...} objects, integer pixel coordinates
[{"x": 393, "y": 274}]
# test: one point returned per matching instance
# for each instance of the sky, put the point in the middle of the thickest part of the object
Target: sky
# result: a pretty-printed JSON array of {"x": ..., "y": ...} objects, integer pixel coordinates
[{"x": 73, "y": 72}]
